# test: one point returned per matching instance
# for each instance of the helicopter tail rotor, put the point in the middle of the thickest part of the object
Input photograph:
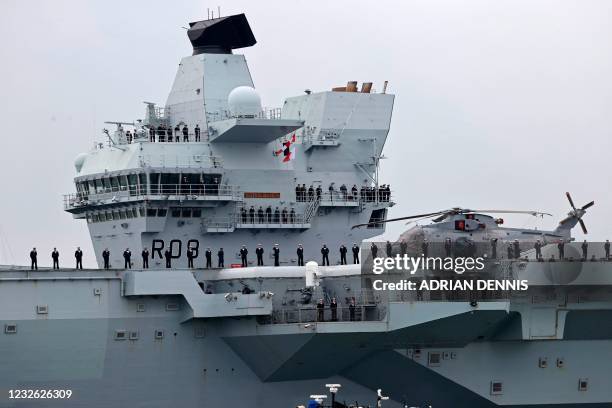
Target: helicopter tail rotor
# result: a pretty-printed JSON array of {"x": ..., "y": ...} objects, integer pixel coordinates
[{"x": 575, "y": 215}]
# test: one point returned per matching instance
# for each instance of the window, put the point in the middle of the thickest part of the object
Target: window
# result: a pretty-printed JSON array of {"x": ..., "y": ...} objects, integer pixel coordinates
[
  {"x": 134, "y": 212},
  {"x": 142, "y": 182},
  {"x": 154, "y": 177},
  {"x": 175, "y": 212},
  {"x": 120, "y": 334},
  {"x": 128, "y": 213},
  {"x": 133, "y": 183},
  {"x": 122, "y": 183},
  {"x": 115, "y": 183},
  {"x": 169, "y": 183},
  {"x": 151, "y": 212},
  {"x": 497, "y": 387},
  {"x": 186, "y": 213},
  {"x": 162, "y": 212},
  {"x": 142, "y": 211},
  {"x": 197, "y": 213},
  {"x": 107, "y": 184},
  {"x": 102, "y": 217}
]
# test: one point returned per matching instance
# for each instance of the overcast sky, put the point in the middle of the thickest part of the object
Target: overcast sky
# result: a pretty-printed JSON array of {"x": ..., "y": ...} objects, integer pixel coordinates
[{"x": 499, "y": 104}]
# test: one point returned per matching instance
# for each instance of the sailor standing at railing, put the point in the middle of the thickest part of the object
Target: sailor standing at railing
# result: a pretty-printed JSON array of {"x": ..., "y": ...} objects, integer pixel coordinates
[
  {"x": 355, "y": 250},
  {"x": 243, "y": 255},
  {"x": 220, "y": 258},
  {"x": 78, "y": 255},
  {"x": 106, "y": 258},
  {"x": 276, "y": 254},
  {"x": 197, "y": 133},
  {"x": 300, "y": 255},
  {"x": 33, "y": 259},
  {"x": 208, "y": 255},
  {"x": 145, "y": 258},
  {"x": 259, "y": 251},
  {"x": 55, "y": 258},
  {"x": 127, "y": 256}
]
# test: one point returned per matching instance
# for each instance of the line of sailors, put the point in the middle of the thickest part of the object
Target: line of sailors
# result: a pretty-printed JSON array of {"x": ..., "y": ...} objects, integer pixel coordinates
[
  {"x": 364, "y": 193},
  {"x": 78, "y": 257},
  {"x": 166, "y": 134},
  {"x": 513, "y": 250},
  {"x": 267, "y": 216}
]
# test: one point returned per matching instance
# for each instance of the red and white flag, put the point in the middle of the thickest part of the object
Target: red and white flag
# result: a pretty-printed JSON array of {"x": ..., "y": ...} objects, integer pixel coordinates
[{"x": 287, "y": 151}]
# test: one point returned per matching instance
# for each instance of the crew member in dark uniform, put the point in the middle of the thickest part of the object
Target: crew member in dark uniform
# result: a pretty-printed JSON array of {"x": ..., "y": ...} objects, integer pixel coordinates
[
  {"x": 33, "y": 259},
  {"x": 493, "y": 248},
  {"x": 325, "y": 253},
  {"x": 389, "y": 249},
  {"x": 145, "y": 258},
  {"x": 259, "y": 252},
  {"x": 403, "y": 248},
  {"x": 260, "y": 215},
  {"x": 334, "y": 309},
  {"x": 185, "y": 133},
  {"x": 285, "y": 215},
  {"x": 243, "y": 255},
  {"x": 169, "y": 133},
  {"x": 177, "y": 132},
  {"x": 276, "y": 216},
  {"x": 425, "y": 248},
  {"x": 220, "y": 259},
  {"x": 352, "y": 310},
  {"x": 197, "y": 133},
  {"x": 252, "y": 215},
  {"x": 448, "y": 245},
  {"x": 517, "y": 249},
  {"x": 355, "y": 250},
  {"x": 78, "y": 255},
  {"x": 292, "y": 216},
  {"x": 55, "y": 257},
  {"x": 300, "y": 255},
  {"x": 276, "y": 254},
  {"x": 585, "y": 249},
  {"x": 161, "y": 134},
  {"x": 561, "y": 248},
  {"x": 374, "y": 250},
  {"x": 343, "y": 252},
  {"x": 208, "y": 255},
  {"x": 167, "y": 255},
  {"x": 320, "y": 311},
  {"x": 538, "y": 249},
  {"x": 106, "y": 257},
  {"x": 152, "y": 134},
  {"x": 127, "y": 256},
  {"x": 607, "y": 249},
  {"x": 190, "y": 258},
  {"x": 510, "y": 253},
  {"x": 269, "y": 214}
]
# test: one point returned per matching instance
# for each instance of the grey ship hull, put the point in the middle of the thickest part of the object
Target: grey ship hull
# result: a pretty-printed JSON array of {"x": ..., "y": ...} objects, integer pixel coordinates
[{"x": 237, "y": 359}]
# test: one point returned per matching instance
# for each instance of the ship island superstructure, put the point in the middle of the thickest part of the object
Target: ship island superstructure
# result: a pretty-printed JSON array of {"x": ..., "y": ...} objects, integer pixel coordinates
[{"x": 155, "y": 189}]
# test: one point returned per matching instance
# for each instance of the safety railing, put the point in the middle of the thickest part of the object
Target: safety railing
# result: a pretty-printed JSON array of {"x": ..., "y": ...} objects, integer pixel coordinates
[
  {"x": 152, "y": 192},
  {"x": 309, "y": 314},
  {"x": 265, "y": 113},
  {"x": 363, "y": 195},
  {"x": 181, "y": 161}
]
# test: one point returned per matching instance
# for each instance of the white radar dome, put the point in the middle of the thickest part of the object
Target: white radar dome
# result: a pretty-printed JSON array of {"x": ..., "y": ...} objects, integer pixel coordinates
[
  {"x": 244, "y": 101},
  {"x": 79, "y": 161}
]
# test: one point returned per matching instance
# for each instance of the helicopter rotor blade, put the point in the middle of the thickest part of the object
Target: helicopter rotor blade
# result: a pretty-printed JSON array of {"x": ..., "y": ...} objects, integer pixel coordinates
[
  {"x": 411, "y": 217},
  {"x": 569, "y": 198},
  {"x": 584, "y": 207},
  {"x": 534, "y": 213},
  {"x": 582, "y": 226}
]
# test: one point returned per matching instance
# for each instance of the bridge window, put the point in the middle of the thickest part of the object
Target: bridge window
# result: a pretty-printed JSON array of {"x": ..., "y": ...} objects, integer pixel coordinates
[
  {"x": 107, "y": 184},
  {"x": 169, "y": 182},
  {"x": 114, "y": 183},
  {"x": 142, "y": 212},
  {"x": 102, "y": 217},
  {"x": 162, "y": 212},
  {"x": 151, "y": 212},
  {"x": 154, "y": 177},
  {"x": 132, "y": 183},
  {"x": 142, "y": 181},
  {"x": 197, "y": 213},
  {"x": 186, "y": 213},
  {"x": 175, "y": 212}
]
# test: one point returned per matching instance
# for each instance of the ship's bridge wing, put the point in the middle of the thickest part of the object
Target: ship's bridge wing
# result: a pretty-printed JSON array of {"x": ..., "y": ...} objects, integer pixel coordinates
[{"x": 252, "y": 130}]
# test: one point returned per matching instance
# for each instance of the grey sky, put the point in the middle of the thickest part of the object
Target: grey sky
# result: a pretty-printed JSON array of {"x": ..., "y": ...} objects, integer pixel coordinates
[{"x": 499, "y": 104}]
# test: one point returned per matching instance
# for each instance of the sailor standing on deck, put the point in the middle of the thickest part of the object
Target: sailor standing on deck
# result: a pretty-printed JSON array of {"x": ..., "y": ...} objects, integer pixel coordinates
[
  {"x": 55, "y": 257},
  {"x": 220, "y": 258},
  {"x": 197, "y": 133},
  {"x": 325, "y": 253},
  {"x": 538, "y": 249},
  {"x": 145, "y": 258},
  {"x": 106, "y": 257},
  {"x": 493, "y": 248},
  {"x": 243, "y": 255},
  {"x": 78, "y": 255},
  {"x": 190, "y": 258},
  {"x": 561, "y": 248},
  {"x": 34, "y": 259},
  {"x": 343, "y": 252},
  {"x": 167, "y": 256},
  {"x": 208, "y": 255},
  {"x": 374, "y": 250},
  {"x": 585, "y": 249},
  {"x": 127, "y": 256},
  {"x": 300, "y": 255},
  {"x": 389, "y": 249},
  {"x": 607, "y": 249},
  {"x": 185, "y": 133},
  {"x": 355, "y": 250},
  {"x": 516, "y": 250},
  {"x": 276, "y": 254},
  {"x": 259, "y": 252}
]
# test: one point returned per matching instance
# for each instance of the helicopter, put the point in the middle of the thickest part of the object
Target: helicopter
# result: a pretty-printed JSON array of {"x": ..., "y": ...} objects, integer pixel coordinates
[{"x": 466, "y": 228}]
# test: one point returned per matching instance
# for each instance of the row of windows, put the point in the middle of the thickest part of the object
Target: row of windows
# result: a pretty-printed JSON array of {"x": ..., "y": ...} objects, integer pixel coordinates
[
  {"x": 135, "y": 183},
  {"x": 134, "y": 212}
]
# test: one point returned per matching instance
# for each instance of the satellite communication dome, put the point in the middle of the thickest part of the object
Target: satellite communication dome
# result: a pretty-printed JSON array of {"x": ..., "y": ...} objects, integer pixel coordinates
[
  {"x": 244, "y": 101},
  {"x": 79, "y": 161}
]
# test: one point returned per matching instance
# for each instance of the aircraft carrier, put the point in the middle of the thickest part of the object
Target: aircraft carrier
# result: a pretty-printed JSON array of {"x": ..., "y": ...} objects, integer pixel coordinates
[{"x": 212, "y": 168}]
